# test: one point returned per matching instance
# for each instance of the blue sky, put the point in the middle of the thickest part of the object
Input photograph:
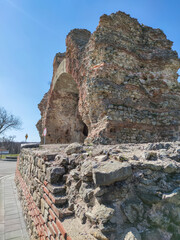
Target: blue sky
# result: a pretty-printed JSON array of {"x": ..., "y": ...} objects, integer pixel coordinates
[{"x": 33, "y": 31}]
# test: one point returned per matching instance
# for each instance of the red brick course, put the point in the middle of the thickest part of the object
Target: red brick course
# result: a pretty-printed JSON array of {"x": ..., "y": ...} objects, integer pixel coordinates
[
  {"x": 47, "y": 200},
  {"x": 46, "y": 190},
  {"x": 56, "y": 211},
  {"x": 52, "y": 214}
]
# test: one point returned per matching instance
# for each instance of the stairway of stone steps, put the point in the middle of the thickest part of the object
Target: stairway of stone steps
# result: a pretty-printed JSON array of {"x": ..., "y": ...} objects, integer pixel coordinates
[{"x": 60, "y": 199}]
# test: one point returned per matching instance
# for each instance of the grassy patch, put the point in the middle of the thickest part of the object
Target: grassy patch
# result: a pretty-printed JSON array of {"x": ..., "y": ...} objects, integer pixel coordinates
[{"x": 3, "y": 156}]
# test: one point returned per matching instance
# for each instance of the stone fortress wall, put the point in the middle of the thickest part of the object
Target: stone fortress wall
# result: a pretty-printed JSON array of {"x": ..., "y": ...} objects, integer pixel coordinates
[{"x": 116, "y": 85}]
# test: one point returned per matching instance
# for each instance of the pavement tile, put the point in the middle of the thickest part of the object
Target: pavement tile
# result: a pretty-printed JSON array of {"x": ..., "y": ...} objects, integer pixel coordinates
[
  {"x": 12, "y": 216},
  {"x": 10, "y": 200},
  {"x": 11, "y": 212},
  {"x": 11, "y": 228},
  {"x": 1, "y": 228},
  {"x": 17, "y": 238},
  {"x": 13, "y": 221},
  {"x": 13, "y": 234},
  {"x": 10, "y": 205},
  {"x": 10, "y": 208}
]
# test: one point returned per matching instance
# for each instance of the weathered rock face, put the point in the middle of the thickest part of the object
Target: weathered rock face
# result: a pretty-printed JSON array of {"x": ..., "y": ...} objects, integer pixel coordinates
[
  {"x": 104, "y": 192},
  {"x": 127, "y": 88},
  {"x": 62, "y": 120}
]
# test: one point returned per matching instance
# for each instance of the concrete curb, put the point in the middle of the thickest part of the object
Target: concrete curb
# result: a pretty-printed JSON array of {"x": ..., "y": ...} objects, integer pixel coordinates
[
  {"x": 8, "y": 160},
  {"x": 6, "y": 176}
]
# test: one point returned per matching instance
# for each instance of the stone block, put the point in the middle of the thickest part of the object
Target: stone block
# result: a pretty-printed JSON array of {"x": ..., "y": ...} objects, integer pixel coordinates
[
  {"x": 54, "y": 174},
  {"x": 131, "y": 234},
  {"x": 74, "y": 148},
  {"x": 60, "y": 188},
  {"x": 107, "y": 173},
  {"x": 44, "y": 205}
]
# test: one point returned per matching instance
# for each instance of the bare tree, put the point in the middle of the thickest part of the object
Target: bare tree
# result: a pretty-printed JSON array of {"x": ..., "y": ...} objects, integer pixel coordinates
[
  {"x": 9, "y": 144},
  {"x": 8, "y": 121}
]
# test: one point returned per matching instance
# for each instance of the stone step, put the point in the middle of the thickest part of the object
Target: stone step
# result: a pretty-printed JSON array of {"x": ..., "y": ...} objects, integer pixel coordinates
[
  {"x": 64, "y": 212},
  {"x": 59, "y": 200},
  {"x": 54, "y": 188}
]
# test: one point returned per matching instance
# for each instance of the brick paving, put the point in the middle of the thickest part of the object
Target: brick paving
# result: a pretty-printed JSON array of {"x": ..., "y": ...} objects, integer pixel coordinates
[{"x": 12, "y": 225}]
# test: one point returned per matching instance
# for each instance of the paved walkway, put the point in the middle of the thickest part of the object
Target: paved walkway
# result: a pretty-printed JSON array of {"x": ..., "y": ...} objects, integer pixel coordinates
[
  {"x": 7, "y": 167},
  {"x": 12, "y": 225}
]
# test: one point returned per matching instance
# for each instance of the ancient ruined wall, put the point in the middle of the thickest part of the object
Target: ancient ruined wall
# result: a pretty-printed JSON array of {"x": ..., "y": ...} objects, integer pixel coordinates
[
  {"x": 116, "y": 192},
  {"x": 133, "y": 81},
  {"x": 126, "y": 76}
]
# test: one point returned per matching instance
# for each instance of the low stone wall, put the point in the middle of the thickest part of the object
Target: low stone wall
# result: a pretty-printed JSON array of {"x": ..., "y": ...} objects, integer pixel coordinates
[
  {"x": 39, "y": 205},
  {"x": 115, "y": 192}
]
